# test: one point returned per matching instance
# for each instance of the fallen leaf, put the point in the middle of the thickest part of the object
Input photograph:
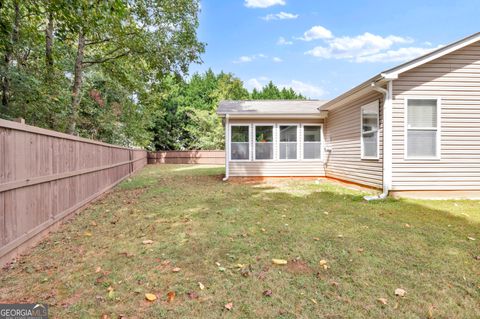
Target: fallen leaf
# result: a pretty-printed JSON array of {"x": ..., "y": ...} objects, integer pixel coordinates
[
  {"x": 323, "y": 263},
  {"x": 316, "y": 238},
  {"x": 360, "y": 250},
  {"x": 147, "y": 242},
  {"x": 170, "y": 296},
  {"x": 340, "y": 236},
  {"x": 400, "y": 292},
  {"x": 326, "y": 213},
  {"x": 264, "y": 230},
  {"x": 176, "y": 269},
  {"x": 98, "y": 269},
  {"x": 471, "y": 238},
  {"x": 192, "y": 295},
  {"x": 87, "y": 234},
  {"x": 201, "y": 286},
  {"x": 218, "y": 264},
  {"x": 279, "y": 261},
  {"x": 229, "y": 306},
  {"x": 383, "y": 301},
  {"x": 93, "y": 223},
  {"x": 407, "y": 225},
  {"x": 150, "y": 297},
  {"x": 267, "y": 293},
  {"x": 313, "y": 300}
]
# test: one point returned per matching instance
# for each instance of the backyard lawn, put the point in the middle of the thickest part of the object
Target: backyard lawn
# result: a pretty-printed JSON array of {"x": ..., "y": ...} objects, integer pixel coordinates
[{"x": 204, "y": 248}]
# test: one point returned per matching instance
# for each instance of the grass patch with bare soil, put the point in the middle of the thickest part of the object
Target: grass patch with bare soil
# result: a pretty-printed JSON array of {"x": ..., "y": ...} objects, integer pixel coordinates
[{"x": 202, "y": 248}]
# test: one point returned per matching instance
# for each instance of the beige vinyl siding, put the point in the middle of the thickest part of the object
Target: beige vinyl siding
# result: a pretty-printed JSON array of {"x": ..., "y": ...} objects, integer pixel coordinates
[
  {"x": 455, "y": 78},
  {"x": 343, "y": 133},
  {"x": 275, "y": 167}
]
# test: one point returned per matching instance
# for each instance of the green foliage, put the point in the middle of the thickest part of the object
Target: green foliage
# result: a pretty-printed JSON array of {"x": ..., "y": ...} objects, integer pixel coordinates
[
  {"x": 186, "y": 118},
  {"x": 130, "y": 47}
]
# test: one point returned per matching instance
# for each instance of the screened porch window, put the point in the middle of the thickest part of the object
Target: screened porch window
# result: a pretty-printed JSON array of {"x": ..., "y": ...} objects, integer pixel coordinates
[
  {"x": 288, "y": 142},
  {"x": 240, "y": 142},
  {"x": 264, "y": 142},
  {"x": 312, "y": 142},
  {"x": 369, "y": 143},
  {"x": 422, "y": 128}
]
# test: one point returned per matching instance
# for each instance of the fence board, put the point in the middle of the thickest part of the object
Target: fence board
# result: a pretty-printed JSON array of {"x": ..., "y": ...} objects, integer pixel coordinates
[
  {"x": 186, "y": 157},
  {"x": 47, "y": 175}
]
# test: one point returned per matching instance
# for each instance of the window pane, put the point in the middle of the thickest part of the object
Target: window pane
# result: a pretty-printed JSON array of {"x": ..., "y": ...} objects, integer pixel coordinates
[
  {"x": 288, "y": 133},
  {"x": 264, "y": 134},
  {"x": 311, "y": 133},
  {"x": 369, "y": 121},
  {"x": 288, "y": 150},
  {"x": 240, "y": 133},
  {"x": 422, "y": 143},
  {"x": 370, "y": 144},
  {"x": 422, "y": 113},
  {"x": 263, "y": 151},
  {"x": 240, "y": 151},
  {"x": 312, "y": 150}
]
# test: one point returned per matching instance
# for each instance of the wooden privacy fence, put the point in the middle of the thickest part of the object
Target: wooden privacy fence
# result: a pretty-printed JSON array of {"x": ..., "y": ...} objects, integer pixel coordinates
[
  {"x": 46, "y": 175},
  {"x": 186, "y": 157}
]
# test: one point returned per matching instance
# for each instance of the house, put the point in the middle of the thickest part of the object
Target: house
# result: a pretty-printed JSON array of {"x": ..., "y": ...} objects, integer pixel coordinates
[{"x": 415, "y": 127}]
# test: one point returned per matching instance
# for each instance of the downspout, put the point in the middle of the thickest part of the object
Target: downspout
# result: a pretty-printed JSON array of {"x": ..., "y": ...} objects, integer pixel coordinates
[
  {"x": 227, "y": 147},
  {"x": 387, "y": 140}
]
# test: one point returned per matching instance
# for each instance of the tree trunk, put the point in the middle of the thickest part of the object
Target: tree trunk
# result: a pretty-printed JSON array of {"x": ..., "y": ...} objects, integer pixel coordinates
[
  {"x": 48, "y": 46},
  {"x": 77, "y": 82},
  {"x": 8, "y": 56}
]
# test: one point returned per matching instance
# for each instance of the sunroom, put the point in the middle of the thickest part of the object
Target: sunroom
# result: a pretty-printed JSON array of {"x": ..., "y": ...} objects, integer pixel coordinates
[{"x": 273, "y": 138}]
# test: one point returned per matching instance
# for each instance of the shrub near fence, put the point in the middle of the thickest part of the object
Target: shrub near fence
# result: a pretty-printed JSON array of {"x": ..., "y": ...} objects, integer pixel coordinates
[
  {"x": 45, "y": 176},
  {"x": 186, "y": 157}
]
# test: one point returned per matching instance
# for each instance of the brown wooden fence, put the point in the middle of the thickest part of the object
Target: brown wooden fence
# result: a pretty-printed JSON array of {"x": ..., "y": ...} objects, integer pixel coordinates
[
  {"x": 45, "y": 176},
  {"x": 186, "y": 157}
]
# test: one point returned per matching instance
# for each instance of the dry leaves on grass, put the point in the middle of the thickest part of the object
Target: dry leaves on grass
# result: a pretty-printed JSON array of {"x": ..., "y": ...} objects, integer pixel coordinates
[
  {"x": 229, "y": 306},
  {"x": 201, "y": 286},
  {"x": 383, "y": 301},
  {"x": 176, "y": 269},
  {"x": 147, "y": 242},
  {"x": 279, "y": 261},
  {"x": 150, "y": 297},
  {"x": 323, "y": 264},
  {"x": 170, "y": 296},
  {"x": 400, "y": 292}
]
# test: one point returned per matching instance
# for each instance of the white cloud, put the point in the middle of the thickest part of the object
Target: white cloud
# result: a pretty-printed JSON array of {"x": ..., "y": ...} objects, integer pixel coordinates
[
  {"x": 316, "y": 32},
  {"x": 359, "y": 48},
  {"x": 277, "y": 59},
  {"x": 283, "y": 41},
  {"x": 280, "y": 16},
  {"x": 306, "y": 89},
  {"x": 263, "y": 3},
  {"x": 249, "y": 58},
  {"x": 399, "y": 55}
]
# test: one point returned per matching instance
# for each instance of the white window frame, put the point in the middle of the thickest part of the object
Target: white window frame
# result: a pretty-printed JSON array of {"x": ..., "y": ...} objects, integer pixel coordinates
[
  {"x": 369, "y": 105},
  {"x": 254, "y": 142},
  {"x": 298, "y": 142},
  {"x": 322, "y": 143},
  {"x": 249, "y": 142},
  {"x": 438, "y": 139}
]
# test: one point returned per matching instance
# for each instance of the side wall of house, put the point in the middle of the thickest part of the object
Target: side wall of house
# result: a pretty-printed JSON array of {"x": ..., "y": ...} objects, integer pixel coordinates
[
  {"x": 343, "y": 133},
  {"x": 275, "y": 167},
  {"x": 455, "y": 79}
]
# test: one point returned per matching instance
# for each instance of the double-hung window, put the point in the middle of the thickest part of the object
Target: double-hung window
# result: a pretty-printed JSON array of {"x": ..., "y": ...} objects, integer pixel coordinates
[
  {"x": 263, "y": 142},
  {"x": 240, "y": 142},
  {"x": 422, "y": 128},
  {"x": 312, "y": 142},
  {"x": 369, "y": 139},
  {"x": 288, "y": 142}
]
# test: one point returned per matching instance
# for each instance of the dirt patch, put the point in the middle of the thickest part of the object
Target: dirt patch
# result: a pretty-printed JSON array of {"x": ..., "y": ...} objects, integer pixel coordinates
[{"x": 298, "y": 267}]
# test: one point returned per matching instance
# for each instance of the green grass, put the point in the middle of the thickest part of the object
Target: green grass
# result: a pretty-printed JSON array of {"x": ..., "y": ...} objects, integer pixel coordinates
[{"x": 197, "y": 222}]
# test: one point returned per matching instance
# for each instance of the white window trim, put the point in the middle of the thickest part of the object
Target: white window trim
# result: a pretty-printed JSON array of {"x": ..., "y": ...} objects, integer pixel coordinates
[
  {"x": 249, "y": 143},
  {"x": 438, "y": 140},
  {"x": 377, "y": 105},
  {"x": 298, "y": 142},
  {"x": 254, "y": 142},
  {"x": 322, "y": 143}
]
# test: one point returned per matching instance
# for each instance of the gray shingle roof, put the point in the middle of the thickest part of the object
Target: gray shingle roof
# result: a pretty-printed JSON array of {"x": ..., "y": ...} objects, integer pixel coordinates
[{"x": 273, "y": 107}]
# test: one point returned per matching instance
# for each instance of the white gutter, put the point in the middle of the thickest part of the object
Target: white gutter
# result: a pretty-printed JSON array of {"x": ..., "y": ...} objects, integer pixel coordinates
[
  {"x": 227, "y": 147},
  {"x": 387, "y": 140}
]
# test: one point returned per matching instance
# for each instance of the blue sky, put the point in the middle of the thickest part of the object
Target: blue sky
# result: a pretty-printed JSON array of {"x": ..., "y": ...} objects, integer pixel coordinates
[{"x": 322, "y": 48}]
